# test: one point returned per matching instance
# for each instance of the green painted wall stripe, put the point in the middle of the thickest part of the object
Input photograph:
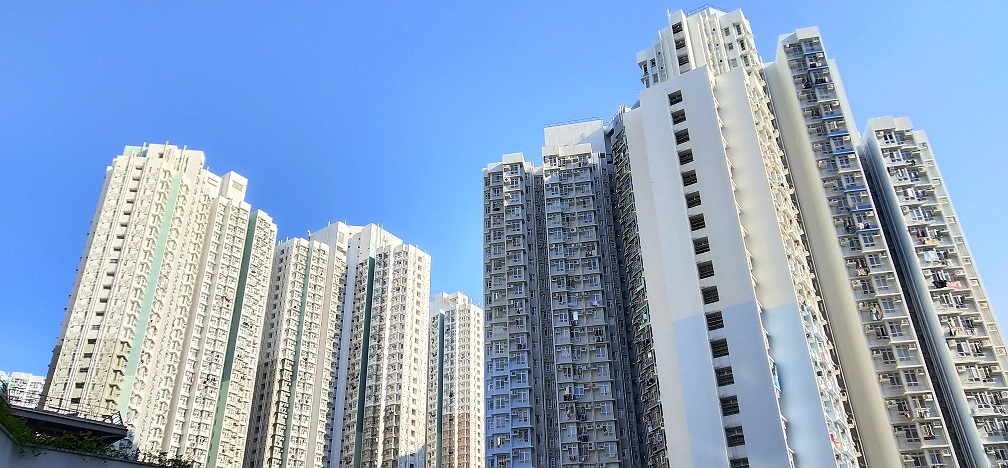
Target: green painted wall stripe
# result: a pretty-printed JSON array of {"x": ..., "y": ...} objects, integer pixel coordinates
[
  {"x": 232, "y": 343},
  {"x": 285, "y": 453},
  {"x": 362, "y": 381},
  {"x": 148, "y": 299},
  {"x": 440, "y": 390}
]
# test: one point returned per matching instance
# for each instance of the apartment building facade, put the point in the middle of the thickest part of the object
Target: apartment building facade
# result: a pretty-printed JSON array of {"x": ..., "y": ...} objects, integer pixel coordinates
[
  {"x": 148, "y": 329},
  {"x": 384, "y": 421},
  {"x": 455, "y": 383},
  {"x": 23, "y": 389},
  {"x": 702, "y": 182},
  {"x": 558, "y": 389},
  {"x": 829, "y": 287},
  {"x": 880, "y": 348},
  {"x": 948, "y": 303},
  {"x": 293, "y": 406}
]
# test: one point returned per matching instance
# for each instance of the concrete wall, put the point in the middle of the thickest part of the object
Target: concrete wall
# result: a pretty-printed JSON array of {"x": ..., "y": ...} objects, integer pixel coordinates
[{"x": 12, "y": 456}]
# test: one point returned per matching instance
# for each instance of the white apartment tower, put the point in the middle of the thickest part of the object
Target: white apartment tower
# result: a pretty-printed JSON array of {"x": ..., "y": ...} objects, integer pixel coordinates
[
  {"x": 890, "y": 380},
  {"x": 23, "y": 389},
  {"x": 169, "y": 284},
  {"x": 292, "y": 413},
  {"x": 384, "y": 423},
  {"x": 732, "y": 343},
  {"x": 960, "y": 335},
  {"x": 557, "y": 382},
  {"x": 455, "y": 383},
  {"x": 343, "y": 376},
  {"x": 784, "y": 295}
]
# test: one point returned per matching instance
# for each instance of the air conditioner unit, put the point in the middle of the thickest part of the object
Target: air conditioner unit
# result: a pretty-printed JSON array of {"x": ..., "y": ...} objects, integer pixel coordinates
[
  {"x": 876, "y": 352},
  {"x": 906, "y": 458},
  {"x": 891, "y": 404}
]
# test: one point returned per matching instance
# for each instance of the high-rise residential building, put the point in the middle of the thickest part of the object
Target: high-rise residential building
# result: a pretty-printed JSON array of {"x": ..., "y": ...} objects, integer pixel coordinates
[
  {"x": 169, "y": 284},
  {"x": 384, "y": 422},
  {"x": 343, "y": 377},
  {"x": 23, "y": 389},
  {"x": 292, "y": 412},
  {"x": 732, "y": 342},
  {"x": 342, "y": 380},
  {"x": 455, "y": 383},
  {"x": 891, "y": 381},
  {"x": 774, "y": 292},
  {"x": 557, "y": 379},
  {"x": 961, "y": 342}
]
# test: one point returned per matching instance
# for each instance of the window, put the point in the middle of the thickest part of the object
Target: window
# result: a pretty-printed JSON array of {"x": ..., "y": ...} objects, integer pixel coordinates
[
  {"x": 675, "y": 98},
  {"x": 678, "y": 117},
  {"x": 705, "y": 269},
  {"x": 710, "y": 295},
  {"x": 689, "y": 178},
  {"x": 682, "y": 136},
  {"x": 677, "y": 28},
  {"x": 903, "y": 353},
  {"x": 729, "y": 405},
  {"x": 697, "y": 222},
  {"x": 739, "y": 462},
  {"x": 724, "y": 376},
  {"x": 738, "y": 29},
  {"x": 911, "y": 434},
  {"x": 692, "y": 199},
  {"x": 701, "y": 245},
  {"x": 910, "y": 378},
  {"x": 680, "y": 43},
  {"x": 734, "y": 436},
  {"x": 685, "y": 157},
  {"x": 719, "y": 348},
  {"x": 714, "y": 320},
  {"x": 727, "y": 31}
]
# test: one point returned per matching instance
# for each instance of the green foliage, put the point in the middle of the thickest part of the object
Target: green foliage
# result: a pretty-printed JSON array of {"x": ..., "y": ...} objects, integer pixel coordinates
[{"x": 85, "y": 443}]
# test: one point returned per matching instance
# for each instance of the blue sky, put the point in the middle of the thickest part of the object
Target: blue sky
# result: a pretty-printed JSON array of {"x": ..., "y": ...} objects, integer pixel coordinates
[{"x": 385, "y": 112}]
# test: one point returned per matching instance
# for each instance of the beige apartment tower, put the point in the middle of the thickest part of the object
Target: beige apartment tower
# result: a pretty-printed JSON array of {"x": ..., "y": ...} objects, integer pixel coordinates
[
  {"x": 455, "y": 389},
  {"x": 165, "y": 314}
]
